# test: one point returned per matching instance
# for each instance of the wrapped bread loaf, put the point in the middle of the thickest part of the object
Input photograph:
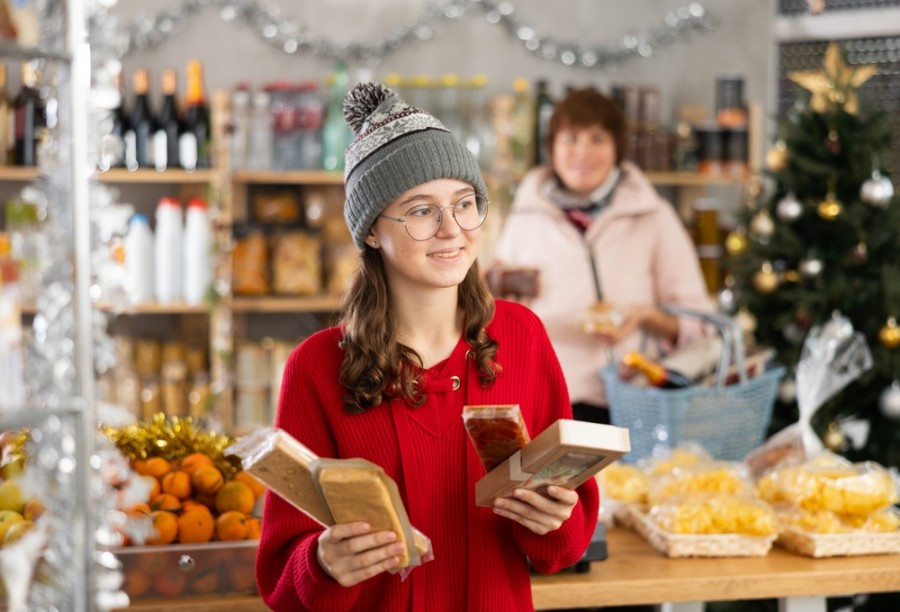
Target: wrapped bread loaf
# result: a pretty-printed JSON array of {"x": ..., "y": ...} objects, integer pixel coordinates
[{"x": 359, "y": 491}]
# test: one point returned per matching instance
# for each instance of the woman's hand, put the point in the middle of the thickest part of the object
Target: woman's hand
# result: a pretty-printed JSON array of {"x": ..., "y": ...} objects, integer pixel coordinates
[
  {"x": 350, "y": 553},
  {"x": 538, "y": 513},
  {"x": 643, "y": 317}
]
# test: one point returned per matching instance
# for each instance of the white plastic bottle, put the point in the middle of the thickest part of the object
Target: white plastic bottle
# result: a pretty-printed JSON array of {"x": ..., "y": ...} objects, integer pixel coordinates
[
  {"x": 139, "y": 260},
  {"x": 169, "y": 241},
  {"x": 197, "y": 252}
]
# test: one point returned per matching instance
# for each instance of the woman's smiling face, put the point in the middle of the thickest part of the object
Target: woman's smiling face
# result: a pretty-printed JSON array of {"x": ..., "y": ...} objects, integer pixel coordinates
[
  {"x": 583, "y": 157},
  {"x": 439, "y": 262}
]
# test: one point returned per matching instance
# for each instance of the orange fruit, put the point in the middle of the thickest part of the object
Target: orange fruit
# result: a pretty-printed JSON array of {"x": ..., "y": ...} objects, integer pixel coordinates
[
  {"x": 207, "y": 480},
  {"x": 137, "y": 582},
  {"x": 171, "y": 581},
  {"x": 177, "y": 483},
  {"x": 254, "y": 528},
  {"x": 156, "y": 467},
  {"x": 166, "y": 526},
  {"x": 195, "y": 526},
  {"x": 166, "y": 501},
  {"x": 231, "y": 525},
  {"x": 206, "y": 582},
  {"x": 138, "y": 509},
  {"x": 137, "y": 464},
  {"x": 152, "y": 484},
  {"x": 191, "y": 462},
  {"x": 235, "y": 495},
  {"x": 193, "y": 504},
  {"x": 251, "y": 481}
]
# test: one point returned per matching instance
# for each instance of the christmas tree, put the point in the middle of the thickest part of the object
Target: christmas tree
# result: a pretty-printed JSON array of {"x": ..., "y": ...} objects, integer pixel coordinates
[{"x": 825, "y": 237}]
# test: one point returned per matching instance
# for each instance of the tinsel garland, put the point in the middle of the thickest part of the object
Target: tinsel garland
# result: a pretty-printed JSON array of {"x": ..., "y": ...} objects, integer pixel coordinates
[
  {"x": 291, "y": 38},
  {"x": 173, "y": 438}
]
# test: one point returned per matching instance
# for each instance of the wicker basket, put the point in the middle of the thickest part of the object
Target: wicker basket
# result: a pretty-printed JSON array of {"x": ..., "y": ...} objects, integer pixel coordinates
[
  {"x": 839, "y": 544},
  {"x": 727, "y": 420},
  {"x": 676, "y": 545}
]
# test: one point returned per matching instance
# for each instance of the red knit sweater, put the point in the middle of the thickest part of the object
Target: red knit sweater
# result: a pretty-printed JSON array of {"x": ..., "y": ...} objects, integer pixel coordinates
[{"x": 480, "y": 558}]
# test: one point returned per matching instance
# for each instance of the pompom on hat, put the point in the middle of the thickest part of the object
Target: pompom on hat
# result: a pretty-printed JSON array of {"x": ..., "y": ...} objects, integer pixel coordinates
[{"x": 395, "y": 148}]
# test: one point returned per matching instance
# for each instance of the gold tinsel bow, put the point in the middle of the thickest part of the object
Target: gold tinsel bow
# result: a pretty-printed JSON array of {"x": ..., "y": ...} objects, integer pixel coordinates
[{"x": 173, "y": 438}]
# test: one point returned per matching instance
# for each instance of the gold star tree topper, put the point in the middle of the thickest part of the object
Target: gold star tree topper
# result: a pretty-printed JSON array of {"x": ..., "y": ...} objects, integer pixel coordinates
[{"x": 835, "y": 85}]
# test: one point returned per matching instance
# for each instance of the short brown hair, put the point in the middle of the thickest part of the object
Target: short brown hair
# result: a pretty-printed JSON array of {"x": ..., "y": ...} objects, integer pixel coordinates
[{"x": 585, "y": 108}]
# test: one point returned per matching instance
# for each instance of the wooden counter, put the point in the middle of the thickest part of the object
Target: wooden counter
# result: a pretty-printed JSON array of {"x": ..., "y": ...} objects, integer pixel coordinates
[{"x": 634, "y": 573}]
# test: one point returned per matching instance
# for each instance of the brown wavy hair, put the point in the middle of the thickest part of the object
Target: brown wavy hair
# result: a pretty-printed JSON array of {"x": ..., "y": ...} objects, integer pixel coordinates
[{"x": 375, "y": 365}]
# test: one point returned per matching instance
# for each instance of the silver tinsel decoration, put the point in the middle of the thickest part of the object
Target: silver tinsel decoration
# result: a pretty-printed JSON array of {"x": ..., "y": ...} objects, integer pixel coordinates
[{"x": 292, "y": 38}]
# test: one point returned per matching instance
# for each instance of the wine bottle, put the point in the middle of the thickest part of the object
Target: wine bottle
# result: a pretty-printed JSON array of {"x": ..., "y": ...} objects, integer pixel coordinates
[
  {"x": 195, "y": 139},
  {"x": 139, "y": 137},
  {"x": 656, "y": 374},
  {"x": 165, "y": 138},
  {"x": 544, "y": 106},
  {"x": 5, "y": 120},
  {"x": 113, "y": 150},
  {"x": 30, "y": 117}
]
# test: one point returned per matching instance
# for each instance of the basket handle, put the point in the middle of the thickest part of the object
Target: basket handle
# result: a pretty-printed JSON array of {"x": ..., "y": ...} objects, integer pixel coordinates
[{"x": 732, "y": 340}]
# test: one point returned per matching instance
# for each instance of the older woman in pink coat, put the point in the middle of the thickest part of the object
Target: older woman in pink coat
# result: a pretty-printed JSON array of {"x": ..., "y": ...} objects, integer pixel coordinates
[{"x": 597, "y": 231}]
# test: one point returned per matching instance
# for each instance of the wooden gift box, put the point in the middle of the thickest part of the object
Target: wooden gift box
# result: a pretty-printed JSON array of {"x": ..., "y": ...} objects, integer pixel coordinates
[{"x": 565, "y": 454}]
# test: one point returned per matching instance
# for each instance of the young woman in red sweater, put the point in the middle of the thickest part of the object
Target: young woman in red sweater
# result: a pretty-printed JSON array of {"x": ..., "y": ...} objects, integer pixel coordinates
[{"x": 420, "y": 338}]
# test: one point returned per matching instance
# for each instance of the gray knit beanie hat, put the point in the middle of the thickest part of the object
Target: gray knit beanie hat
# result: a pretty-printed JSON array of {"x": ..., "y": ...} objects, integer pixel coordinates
[{"x": 395, "y": 148}]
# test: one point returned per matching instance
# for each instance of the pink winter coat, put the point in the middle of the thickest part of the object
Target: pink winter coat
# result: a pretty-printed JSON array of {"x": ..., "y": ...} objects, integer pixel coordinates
[{"x": 642, "y": 253}]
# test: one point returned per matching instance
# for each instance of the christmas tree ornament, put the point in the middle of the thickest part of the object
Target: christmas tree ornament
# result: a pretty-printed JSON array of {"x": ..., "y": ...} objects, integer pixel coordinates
[
  {"x": 802, "y": 318},
  {"x": 830, "y": 208},
  {"x": 777, "y": 156},
  {"x": 860, "y": 253},
  {"x": 877, "y": 190},
  {"x": 746, "y": 321},
  {"x": 765, "y": 280},
  {"x": 792, "y": 333},
  {"x": 889, "y": 334},
  {"x": 789, "y": 208},
  {"x": 762, "y": 224},
  {"x": 736, "y": 242},
  {"x": 889, "y": 401},
  {"x": 834, "y": 438},
  {"x": 834, "y": 85},
  {"x": 727, "y": 300},
  {"x": 833, "y": 142},
  {"x": 811, "y": 267},
  {"x": 790, "y": 276},
  {"x": 787, "y": 390}
]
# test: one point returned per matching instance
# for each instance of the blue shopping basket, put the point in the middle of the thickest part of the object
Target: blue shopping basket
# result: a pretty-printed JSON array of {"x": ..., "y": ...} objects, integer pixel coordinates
[{"x": 727, "y": 420}]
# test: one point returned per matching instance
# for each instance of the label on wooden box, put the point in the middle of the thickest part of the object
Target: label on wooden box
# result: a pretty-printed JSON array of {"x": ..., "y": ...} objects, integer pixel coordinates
[{"x": 565, "y": 454}]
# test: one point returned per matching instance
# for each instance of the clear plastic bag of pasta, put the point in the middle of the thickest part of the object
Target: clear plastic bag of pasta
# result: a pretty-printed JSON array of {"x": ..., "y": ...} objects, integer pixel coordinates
[{"x": 702, "y": 513}]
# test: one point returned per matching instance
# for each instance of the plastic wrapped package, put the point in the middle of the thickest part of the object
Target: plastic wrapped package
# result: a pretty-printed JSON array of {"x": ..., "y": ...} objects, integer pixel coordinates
[
  {"x": 496, "y": 432},
  {"x": 602, "y": 318},
  {"x": 624, "y": 482},
  {"x": 281, "y": 206},
  {"x": 813, "y": 521},
  {"x": 296, "y": 263},
  {"x": 292, "y": 471},
  {"x": 828, "y": 482},
  {"x": 250, "y": 275},
  {"x": 710, "y": 477},
  {"x": 715, "y": 513},
  {"x": 668, "y": 459}
]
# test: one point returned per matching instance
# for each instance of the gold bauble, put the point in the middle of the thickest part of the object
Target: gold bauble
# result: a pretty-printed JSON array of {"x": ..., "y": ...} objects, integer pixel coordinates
[
  {"x": 889, "y": 335},
  {"x": 746, "y": 321},
  {"x": 829, "y": 208},
  {"x": 777, "y": 156},
  {"x": 766, "y": 280},
  {"x": 736, "y": 242},
  {"x": 834, "y": 438}
]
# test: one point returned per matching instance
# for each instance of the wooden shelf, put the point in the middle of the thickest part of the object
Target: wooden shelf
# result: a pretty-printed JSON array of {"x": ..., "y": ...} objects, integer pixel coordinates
[
  {"x": 18, "y": 173},
  {"x": 148, "y": 176},
  {"x": 154, "y": 308},
  {"x": 692, "y": 179},
  {"x": 273, "y": 304},
  {"x": 294, "y": 177}
]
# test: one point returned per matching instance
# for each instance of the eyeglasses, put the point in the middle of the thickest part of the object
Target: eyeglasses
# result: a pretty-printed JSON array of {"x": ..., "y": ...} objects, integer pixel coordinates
[{"x": 424, "y": 222}]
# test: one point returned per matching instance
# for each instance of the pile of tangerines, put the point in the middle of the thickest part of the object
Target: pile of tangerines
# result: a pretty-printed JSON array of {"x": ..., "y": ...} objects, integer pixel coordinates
[{"x": 190, "y": 501}]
